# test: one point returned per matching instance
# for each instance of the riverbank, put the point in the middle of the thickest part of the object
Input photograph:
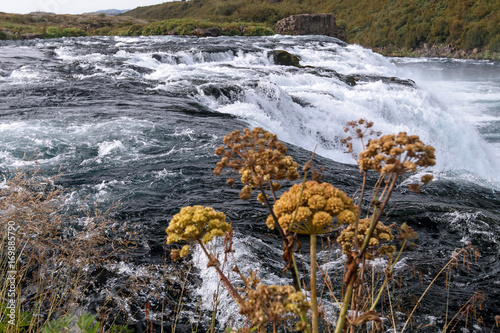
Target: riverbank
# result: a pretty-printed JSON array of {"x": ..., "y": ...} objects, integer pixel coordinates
[
  {"x": 46, "y": 25},
  {"x": 437, "y": 51}
]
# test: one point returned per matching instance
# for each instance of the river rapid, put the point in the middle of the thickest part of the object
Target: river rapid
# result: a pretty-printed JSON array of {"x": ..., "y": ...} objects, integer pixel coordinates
[{"x": 137, "y": 119}]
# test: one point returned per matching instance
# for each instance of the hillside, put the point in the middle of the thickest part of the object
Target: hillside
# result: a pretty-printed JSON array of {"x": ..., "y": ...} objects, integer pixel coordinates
[
  {"x": 464, "y": 24},
  {"x": 47, "y": 25}
]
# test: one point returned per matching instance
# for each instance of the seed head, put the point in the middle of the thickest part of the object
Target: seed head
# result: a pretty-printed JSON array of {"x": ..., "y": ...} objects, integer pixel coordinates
[
  {"x": 319, "y": 205},
  {"x": 258, "y": 157},
  {"x": 195, "y": 223},
  {"x": 273, "y": 304},
  {"x": 381, "y": 234},
  {"x": 400, "y": 154}
]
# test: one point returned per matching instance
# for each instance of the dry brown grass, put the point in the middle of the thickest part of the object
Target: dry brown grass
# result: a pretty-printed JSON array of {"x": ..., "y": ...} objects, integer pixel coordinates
[{"x": 56, "y": 254}]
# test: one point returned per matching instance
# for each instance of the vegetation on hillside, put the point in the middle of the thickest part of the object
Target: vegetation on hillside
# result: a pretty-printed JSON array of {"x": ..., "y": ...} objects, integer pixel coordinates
[
  {"x": 381, "y": 24},
  {"x": 465, "y": 24},
  {"x": 45, "y": 25}
]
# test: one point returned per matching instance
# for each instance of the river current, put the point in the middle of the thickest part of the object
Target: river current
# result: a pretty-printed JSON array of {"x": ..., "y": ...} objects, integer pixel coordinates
[{"x": 137, "y": 119}]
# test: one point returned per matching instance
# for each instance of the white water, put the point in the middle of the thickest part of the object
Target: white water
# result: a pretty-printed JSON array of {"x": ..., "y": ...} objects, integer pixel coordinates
[
  {"x": 440, "y": 112},
  {"x": 447, "y": 109}
]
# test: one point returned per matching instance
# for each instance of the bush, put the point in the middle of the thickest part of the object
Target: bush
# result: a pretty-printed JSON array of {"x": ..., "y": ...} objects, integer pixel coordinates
[
  {"x": 258, "y": 31},
  {"x": 57, "y": 32},
  {"x": 50, "y": 249},
  {"x": 494, "y": 44},
  {"x": 475, "y": 37}
]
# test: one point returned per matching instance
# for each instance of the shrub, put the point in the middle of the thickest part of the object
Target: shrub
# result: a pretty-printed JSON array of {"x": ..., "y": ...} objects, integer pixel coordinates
[
  {"x": 57, "y": 32},
  {"x": 475, "y": 37},
  {"x": 258, "y": 31},
  {"x": 50, "y": 251}
]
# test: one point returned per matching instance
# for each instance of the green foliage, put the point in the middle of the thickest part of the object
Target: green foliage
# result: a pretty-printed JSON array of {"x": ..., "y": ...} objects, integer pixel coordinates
[
  {"x": 232, "y": 30},
  {"x": 56, "y": 32},
  {"x": 120, "y": 329},
  {"x": 475, "y": 36},
  {"x": 5, "y": 36},
  {"x": 371, "y": 23},
  {"x": 186, "y": 26},
  {"x": 22, "y": 319},
  {"x": 494, "y": 44},
  {"x": 58, "y": 325},
  {"x": 86, "y": 324},
  {"x": 258, "y": 31},
  {"x": 261, "y": 13}
]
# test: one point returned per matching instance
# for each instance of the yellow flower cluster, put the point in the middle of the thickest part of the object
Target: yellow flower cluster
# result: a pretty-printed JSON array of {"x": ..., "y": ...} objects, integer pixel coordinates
[
  {"x": 399, "y": 154},
  {"x": 320, "y": 203},
  {"x": 273, "y": 303},
  {"x": 381, "y": 234},
  {"x": 195, "y": 223},
  {"x": 258, "y": 157}
]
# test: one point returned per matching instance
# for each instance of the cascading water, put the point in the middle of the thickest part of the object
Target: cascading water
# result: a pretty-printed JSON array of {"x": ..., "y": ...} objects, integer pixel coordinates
[{"x": 137, "y": 120}]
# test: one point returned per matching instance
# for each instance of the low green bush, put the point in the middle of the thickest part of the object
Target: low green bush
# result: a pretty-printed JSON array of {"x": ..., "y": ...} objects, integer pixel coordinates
[{"x": 57, "y": 32}]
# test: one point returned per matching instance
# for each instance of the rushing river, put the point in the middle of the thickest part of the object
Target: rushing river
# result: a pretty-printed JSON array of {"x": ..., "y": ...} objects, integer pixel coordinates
[{"x": 136, "y": 120}]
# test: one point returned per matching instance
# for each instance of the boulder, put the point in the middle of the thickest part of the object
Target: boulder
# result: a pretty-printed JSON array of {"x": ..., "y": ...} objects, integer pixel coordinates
[
  {"x": 211, "y": 32},
  {"x": 284, "y": 58},
  {"x": 311, "y": 24}
]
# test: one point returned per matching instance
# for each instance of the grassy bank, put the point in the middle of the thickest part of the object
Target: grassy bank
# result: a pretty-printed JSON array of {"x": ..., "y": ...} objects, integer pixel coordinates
[
  {"x": 43, "y": 25},
  {"x": 405, "y": 24}
]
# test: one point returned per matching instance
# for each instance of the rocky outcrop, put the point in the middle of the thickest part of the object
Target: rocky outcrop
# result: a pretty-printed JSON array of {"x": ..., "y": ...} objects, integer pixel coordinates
[{"x": 311, "y": 24}]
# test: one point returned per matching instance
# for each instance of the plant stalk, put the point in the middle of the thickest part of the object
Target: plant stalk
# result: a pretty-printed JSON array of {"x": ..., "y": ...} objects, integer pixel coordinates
[
  {"x": 314, "y": 296},
  {"x": 234, "y": 293},
  {"x": 386, "y": 278},
  {"x": 345, "y": 306}
]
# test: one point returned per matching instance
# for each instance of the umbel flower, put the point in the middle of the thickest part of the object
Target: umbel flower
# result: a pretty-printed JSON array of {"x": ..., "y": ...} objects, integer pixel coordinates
[
  {"x": 273, "y": 304},
  {"x": 258, "y": 157},
  {"x": 195, "y": 223},
  {"x": 381, "y": 234},
  {"x": 396, "y": 154},
  {"x": 319, "y": 204}
]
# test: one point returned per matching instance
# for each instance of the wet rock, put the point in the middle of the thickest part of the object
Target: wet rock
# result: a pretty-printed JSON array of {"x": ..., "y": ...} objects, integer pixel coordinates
[
  {"x": 285, "y": 58},
  {"x": 311, "y": 24}
]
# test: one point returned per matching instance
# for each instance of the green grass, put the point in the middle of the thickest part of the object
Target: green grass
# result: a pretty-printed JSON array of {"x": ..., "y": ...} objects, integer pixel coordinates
[{"x": 372, "y": 23}]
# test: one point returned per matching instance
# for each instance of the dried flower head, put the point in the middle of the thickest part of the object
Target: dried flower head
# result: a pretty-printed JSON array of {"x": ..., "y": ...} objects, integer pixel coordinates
[
  {"x": 195, "y": 223},
  {"x": 319, "y": 205},
  {"x": 396, "y": 154},
  {"x": 381, "y": 234},
  {"x": 360, "y": 129},
  {"x": 273, "y": 304},
  {"x": 258, "y": 157}
]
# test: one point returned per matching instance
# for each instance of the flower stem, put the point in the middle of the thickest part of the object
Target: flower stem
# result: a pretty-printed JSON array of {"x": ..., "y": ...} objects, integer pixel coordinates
[
  {"x": 232, "y": 291},
  {"x": 345, "y": 306},
  {"x": 314, "y": 297}
]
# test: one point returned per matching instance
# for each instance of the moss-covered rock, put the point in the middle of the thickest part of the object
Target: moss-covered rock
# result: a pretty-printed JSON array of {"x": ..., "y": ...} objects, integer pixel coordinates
[{"x": 285, "y": 58}]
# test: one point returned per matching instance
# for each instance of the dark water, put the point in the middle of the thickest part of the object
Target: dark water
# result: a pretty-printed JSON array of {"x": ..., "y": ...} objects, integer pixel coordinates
[{"x": 136, "y": 120}]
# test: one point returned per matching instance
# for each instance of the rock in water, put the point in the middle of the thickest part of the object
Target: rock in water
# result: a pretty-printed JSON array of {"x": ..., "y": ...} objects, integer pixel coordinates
[
  {"x": 311, "y": 24},
  {"x": 284, "y": 58}
]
